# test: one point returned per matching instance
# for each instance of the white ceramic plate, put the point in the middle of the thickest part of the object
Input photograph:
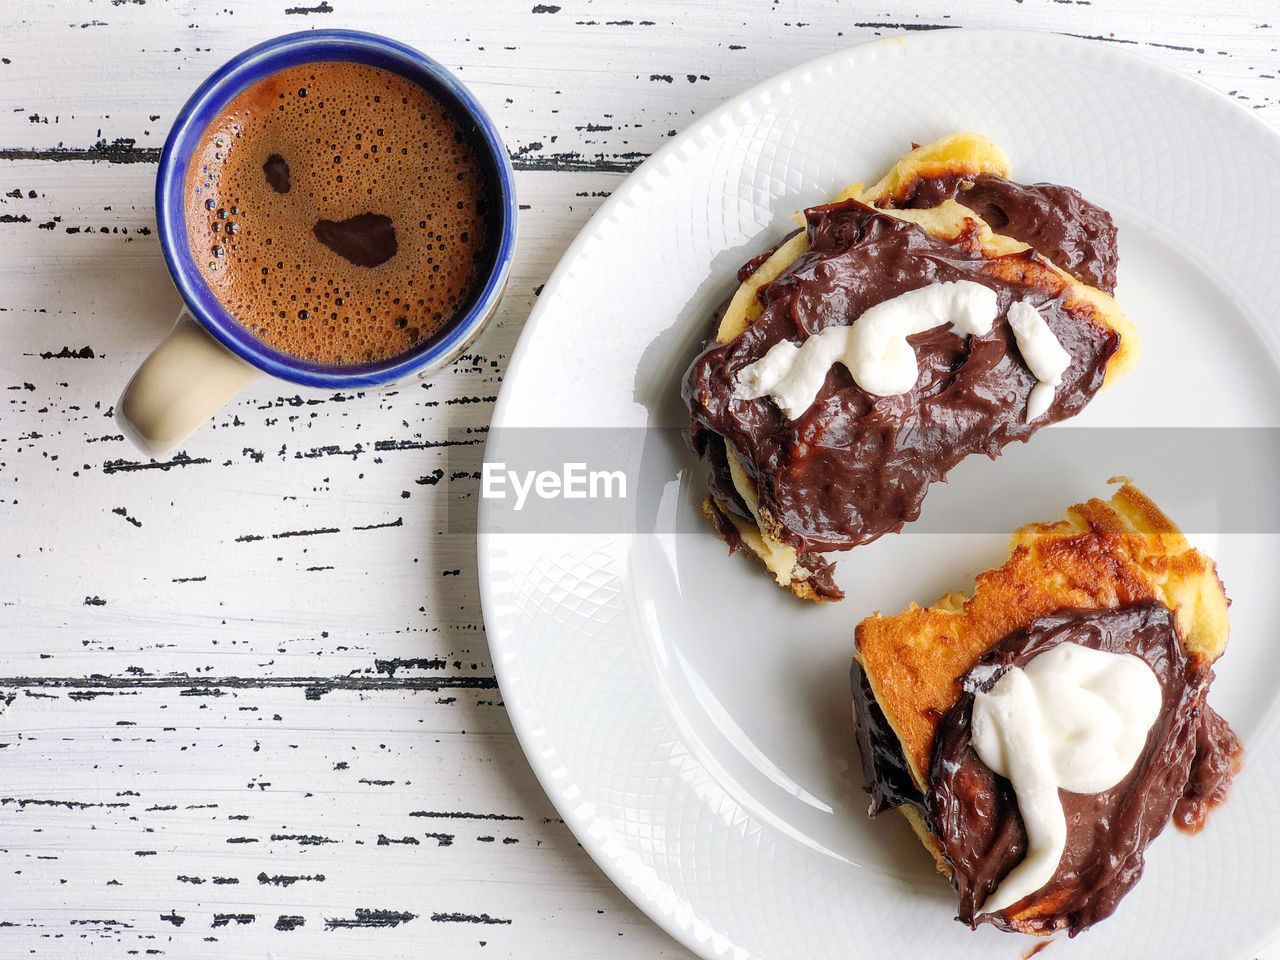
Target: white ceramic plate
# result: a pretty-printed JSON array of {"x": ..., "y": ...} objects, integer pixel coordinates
[{"x": 701, "y": 749}]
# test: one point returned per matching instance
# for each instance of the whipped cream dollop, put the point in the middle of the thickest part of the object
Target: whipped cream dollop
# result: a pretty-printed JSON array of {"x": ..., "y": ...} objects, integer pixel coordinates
[
  {"x": 873, "y": 348},
  {"x": 1074, "y": 718},
  {"x": 1041, "y": 352}
]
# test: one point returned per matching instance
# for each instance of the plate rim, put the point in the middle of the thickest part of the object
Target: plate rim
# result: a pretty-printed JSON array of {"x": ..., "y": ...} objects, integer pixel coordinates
[{"x": 851, "y": 58}]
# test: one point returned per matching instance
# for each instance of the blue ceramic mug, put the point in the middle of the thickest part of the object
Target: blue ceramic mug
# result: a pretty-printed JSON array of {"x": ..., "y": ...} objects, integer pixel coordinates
[{"x": 209, "y": 357}]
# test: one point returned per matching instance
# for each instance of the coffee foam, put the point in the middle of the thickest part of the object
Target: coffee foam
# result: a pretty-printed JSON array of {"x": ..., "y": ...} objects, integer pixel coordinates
[{"x": 357, "y": 140}]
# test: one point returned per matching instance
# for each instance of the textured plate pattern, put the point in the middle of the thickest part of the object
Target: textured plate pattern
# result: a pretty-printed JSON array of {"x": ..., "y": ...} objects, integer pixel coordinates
[{"x": 579, "y": 638}]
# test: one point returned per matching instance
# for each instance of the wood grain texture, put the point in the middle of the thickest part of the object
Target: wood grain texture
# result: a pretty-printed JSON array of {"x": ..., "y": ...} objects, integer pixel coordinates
[{"x": 248, "y": 708}]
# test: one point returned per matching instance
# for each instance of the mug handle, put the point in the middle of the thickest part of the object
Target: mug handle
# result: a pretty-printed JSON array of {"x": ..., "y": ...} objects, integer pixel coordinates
[{"x": 187, "y": 379}]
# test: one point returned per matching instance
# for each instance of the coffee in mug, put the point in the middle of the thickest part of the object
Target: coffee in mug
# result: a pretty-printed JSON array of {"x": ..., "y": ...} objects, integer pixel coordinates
[{"x": 337, "y": 211}]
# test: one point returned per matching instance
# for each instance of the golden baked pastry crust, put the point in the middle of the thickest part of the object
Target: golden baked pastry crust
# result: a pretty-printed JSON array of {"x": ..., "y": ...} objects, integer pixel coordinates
[{"x": 960, "y": 154}]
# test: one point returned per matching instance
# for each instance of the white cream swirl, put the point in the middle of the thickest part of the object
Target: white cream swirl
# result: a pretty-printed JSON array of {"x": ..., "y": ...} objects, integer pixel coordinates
[
  {"x": 1042, "y": 353},
  {"x": 873, "y": 348},
  {"x": 1074, "y": 718},
  {"x": 875, "y": 351}
]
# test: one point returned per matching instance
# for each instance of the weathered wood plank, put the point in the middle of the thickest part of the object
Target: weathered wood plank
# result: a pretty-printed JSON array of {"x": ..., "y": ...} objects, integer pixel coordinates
[
  {"x": 162, "y": 820},
  {"x": 578, "y": 85}
]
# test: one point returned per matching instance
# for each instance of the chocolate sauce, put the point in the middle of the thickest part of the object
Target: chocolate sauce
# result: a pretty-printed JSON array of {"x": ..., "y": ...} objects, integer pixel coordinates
[
  {"x": 974, "y": 813},
  {"x": 821, "y": 576},
  {"x": 726, "y": 501},
  {"x": 751, "y": 266},
  {"x": 884, "y": 769},
  {"x": 1058, "y": 222},
  {"x": 725, "y": 528},
  {"x": 1217, "y": 760},
  {"x": 856, "y": 466},
  {"x": 367, "y": 239}
]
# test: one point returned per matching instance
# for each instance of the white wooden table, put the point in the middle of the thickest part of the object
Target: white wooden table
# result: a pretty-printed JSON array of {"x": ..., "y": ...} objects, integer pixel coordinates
[{"x": 248, "y": 709}]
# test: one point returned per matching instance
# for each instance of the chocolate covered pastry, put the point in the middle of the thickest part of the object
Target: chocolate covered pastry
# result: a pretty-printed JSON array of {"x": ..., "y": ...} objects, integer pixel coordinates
[
  {"x": 942, "y": 312},
  {"x": 1039, "y": 733}
]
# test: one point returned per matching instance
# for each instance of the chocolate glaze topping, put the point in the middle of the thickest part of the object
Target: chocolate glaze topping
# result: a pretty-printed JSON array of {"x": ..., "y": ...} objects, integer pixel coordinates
[
  {"x": 856, "y": 466},
  {"x": 1073, "y": 233},
  {"x": 884, "y": 768},
  {"x": 751, "y": 266},
  {"x": 974, "y": 813},
  {"x": 1186, "y": 768},
  {"x": 727, "y": 501},
  {"x": 1217, "y": 760}
]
